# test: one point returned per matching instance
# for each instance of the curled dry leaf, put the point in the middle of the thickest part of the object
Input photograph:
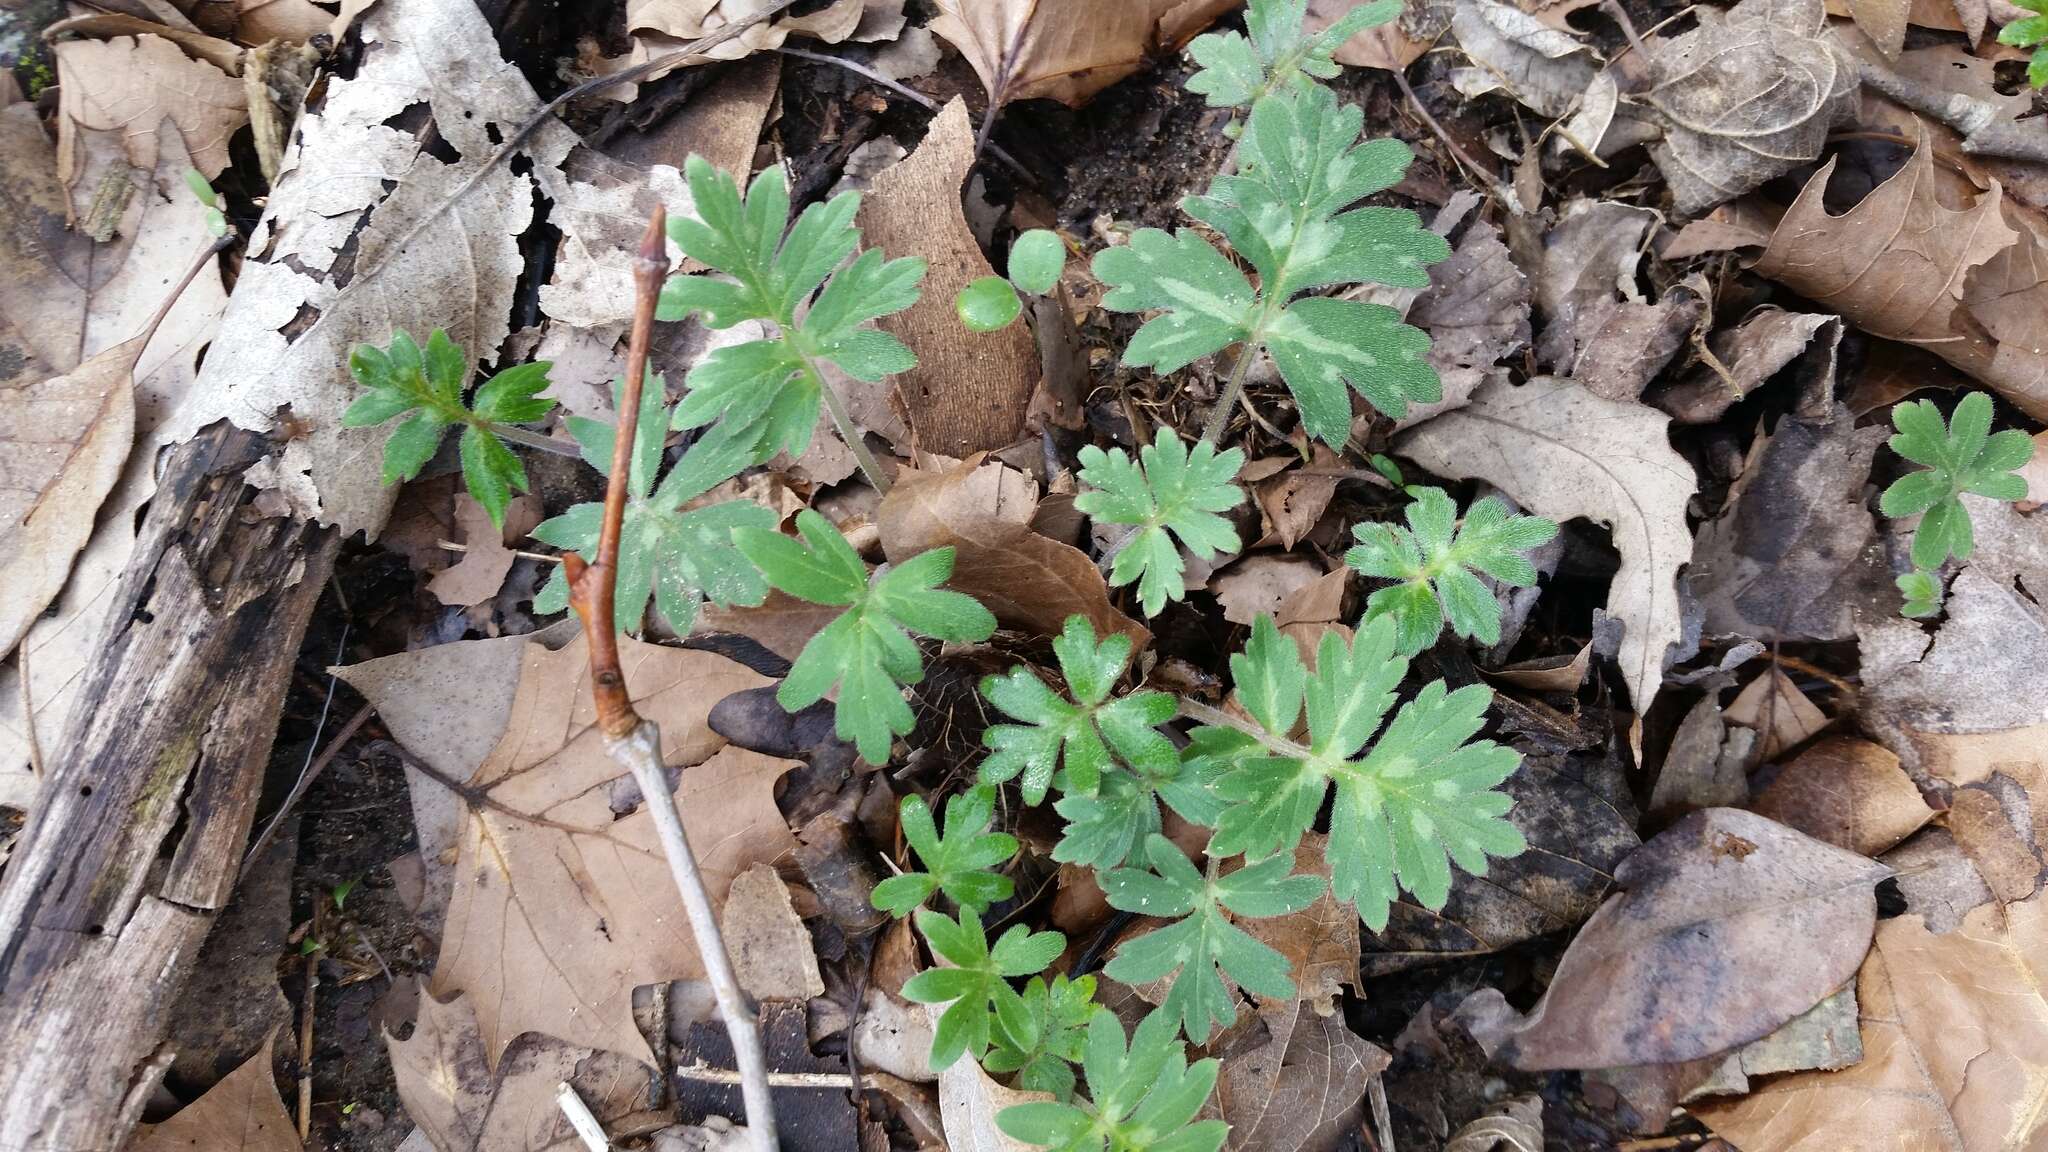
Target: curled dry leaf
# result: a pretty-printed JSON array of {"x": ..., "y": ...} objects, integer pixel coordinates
[
  {"x": 1065, "y": 50},
  {"x": 969, "y": 390},
  {"x": 968, "y": 1102},
  {"x": 450, "y": 1089},
  {"x": 1968, "y": 284},
  {"x": 1849, "y": 792},
  {"x": 562, "y": 902},
  {"x": 1746, "y": 96},
  {"x": 1513, "y": 1125},
  {"x": 1748, "y": 355},
  {"x": 1513, "y": 51},
  {"x": 1476, "y": 311},
  {"x": 242, "y": 1113},
  {"x": 662, "y": 26},
  {"x": 1780, "y": 714},
  {"x": 1562, "y": 452},
  {"x": 1955, "y": 1030},
  {"x": 983, "y": 511},
  {"x": 1728, "y": 926},
  {"x": 1301, "y": 1091},
  {"x": 1387, "y": 47}
]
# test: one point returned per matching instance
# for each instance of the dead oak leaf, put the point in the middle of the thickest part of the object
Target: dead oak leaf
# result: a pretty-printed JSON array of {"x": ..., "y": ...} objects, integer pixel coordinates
[
  {"x": 1065, "y": 50},
  {"x": 242, "y": 1113},
  {"x": 1562, "y": 452},
  {"x": 130, "y": 83},
  {"x": 562, "y": 901},
  {"x": 1955, "y": 1034},
  {"x": 1728, "y": 925},
  {"x": 1320, "y": 941}
]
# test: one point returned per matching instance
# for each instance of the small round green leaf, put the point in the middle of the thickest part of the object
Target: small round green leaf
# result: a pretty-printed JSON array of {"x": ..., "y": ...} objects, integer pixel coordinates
[
  {"x": 1035, "y": 261},
  {"x": 988, "y": 304}
]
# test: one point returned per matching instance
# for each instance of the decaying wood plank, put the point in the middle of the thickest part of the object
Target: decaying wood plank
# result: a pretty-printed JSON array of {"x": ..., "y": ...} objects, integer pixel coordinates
[{"x": 135, "y": 845}]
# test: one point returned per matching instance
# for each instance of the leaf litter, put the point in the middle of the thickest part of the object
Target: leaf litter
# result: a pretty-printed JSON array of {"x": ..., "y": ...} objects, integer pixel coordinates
[{"x": 1685, "y": 253}]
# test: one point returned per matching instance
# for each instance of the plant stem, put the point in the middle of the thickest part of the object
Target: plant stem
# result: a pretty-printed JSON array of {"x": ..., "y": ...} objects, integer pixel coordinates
[
  {"x": 635, "y": 742},
  {"x": 528, "y": 438},
  {"x": 1218, "y": 718},
  {"x": 1219, "y": 417},
  {"x": 849, "y": 432}
]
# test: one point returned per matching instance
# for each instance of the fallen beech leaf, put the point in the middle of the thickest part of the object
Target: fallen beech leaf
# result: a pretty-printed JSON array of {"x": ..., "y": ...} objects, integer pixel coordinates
[
  {"x": 1301, "y": 1091},
  {"x": 1065, "y": 50},
  {"x": 1939, "y": 883},
  {"x": 242, "y": 1113},
  {"x": 1707, "y": 765},
  {"x": 1320, "y": 941},
  {"x": 1513, "y": 1125},
  {"x": 1953, "y": 707},
  {"x": 983, "y": 511},
  {"x": 1580, "y": 822},
  {"x": 1728, "y": 925},
  {"x": 128, "y": 84},
  {"x": 1746, "y": 96},
  {"x": 772, "y": 954},
  {"x": 1848, "y": 792},
  {"x": 1778, "y": 711},
  {"x": 969, "y": 1101},
  {"x": 1258, "y": 585},
  {"x": 1955, "y": 1030},
  {"x": 561, "y": 905},
  {"x": 451, "y": 1092},
  {"x": 335, "y": 261},
  {"x": 1563, "y": 452}
]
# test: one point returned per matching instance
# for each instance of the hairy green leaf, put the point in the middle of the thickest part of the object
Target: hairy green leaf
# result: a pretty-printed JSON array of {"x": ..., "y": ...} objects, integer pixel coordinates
[
  {"x": 977, "y": 983},
  {"x": 1036, "y": 260},
  {"x": 1237, "y": 70},
  {"x": 1085, "y": 731},
  {"x": 957, "y": 862},
  {"x": 1143, "y": 1098},
  {"x": 1435, "y": 558},
  {"x": 1044, "y": 1052},
  {"x": 1957, "y": 457},
  {"x": 988, "y": 304},
  {"x": 1922, "y": 591},
  {"x": 1170, "y": 494}
]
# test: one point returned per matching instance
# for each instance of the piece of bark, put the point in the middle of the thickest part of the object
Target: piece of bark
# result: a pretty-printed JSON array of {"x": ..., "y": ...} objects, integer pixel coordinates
[{"x": 98, "y": 934}]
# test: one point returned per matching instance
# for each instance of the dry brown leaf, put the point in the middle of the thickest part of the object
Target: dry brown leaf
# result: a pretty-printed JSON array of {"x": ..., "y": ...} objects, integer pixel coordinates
[
  {"x": 561, "y": 907},
  {"x": 1728, "y": 926},
  {"x": 1746, "y": 96},
  {"x": 128, "y": 85},
  {"x": 1320, "y": 941},
  {"x": 1996, "y": 844},
  {"x": 1258, "y": 585},
  {"x": 1588, "y": 261},
  {"x": 983, "y": 512},
  {"x": 1936, "y": 879},
  {"x": 1065, "y": 50},
  {"x": 1707, "y": 765},
  {"x": 1301, "y": 1091},
  {"x": 478, "y": 575},
  {"x": 1548, "y": 673},
  {"x": 1513, "y": 1125},
  {"x": 1476, "y": 311},
  {"x": 292, "y": 21},
  {"x": 1747, "y": 356},
  {"x": 662, "y": 26},
  {"x": 1387, "y": 47},
  {"x": 772, "y": 954},
  {"x": 1513, "y": 51},
  {"x": 1292, "y": 503},
  {"x": 1777, "y": 710},
  {"x": 335, "y": 262},
  {"x": 1562, "y": 452},
  {"x": 782, "y": 623},
  {"x": 1884, "y": 21},
  {"x": 1848, "y": 792},
  {"x": 461, "y": 1105},
  {"x": 242, "y": 1113},
  {"x": 969, "y": 390},
  {"x": 1955, "y": 1032}
]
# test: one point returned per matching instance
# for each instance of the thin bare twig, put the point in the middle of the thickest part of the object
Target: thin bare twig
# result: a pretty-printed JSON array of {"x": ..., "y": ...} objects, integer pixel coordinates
[
  {"x": 307, "y": 774},
  {"x": 306, "y": 1028},
  {"x": 635, "y": 742},
  {"x": 901, "y": 89}
]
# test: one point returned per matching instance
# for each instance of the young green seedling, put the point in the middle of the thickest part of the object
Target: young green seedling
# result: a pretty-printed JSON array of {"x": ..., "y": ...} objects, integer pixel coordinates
[
  {"x": 1044, "y": 1052},
  {"x": 1434, "y": 559},
  {"x": 958, "y": 861},
  {"x": 1170, "y": 496},
  {"x": 429, "y": 384},
  {"x": 1963, "y": 455},
  {"x": 1084, "y": 731},
  {"x": 1142, "y": 1099},
  {"x": 866, "y": 651},
  {"x": 2031, "y": 32},
  {"x": 992, "y": 302},
  {"x": 978, "y": 982},
  {"x": 1279, "y": 51},
  {"x": 216, "y": 217}
]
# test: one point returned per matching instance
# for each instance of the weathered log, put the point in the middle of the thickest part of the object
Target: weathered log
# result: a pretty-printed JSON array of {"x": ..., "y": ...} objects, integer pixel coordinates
[{"x": 135, "y": 844}]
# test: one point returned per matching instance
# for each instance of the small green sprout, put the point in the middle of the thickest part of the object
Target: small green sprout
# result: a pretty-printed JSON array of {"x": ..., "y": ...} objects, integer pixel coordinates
[
  {"x": 216, "y": 218},
  {"x": 1961, "y": 456},
  {"x": 1435, "y": 568},
  {"x": 1922, "y": 592},
  {"x": 866, "y": 652},
  {"x": 1171, "y": 495},
  {"x": 991, "y": 302},
  {"x": 958, "y": 861},
  {"x": 1043, "y": 1053},
  {"x": 978, "y": 983},
  {"x": 1142, "y": 1099},
  {"x": 429, "y": 385}
]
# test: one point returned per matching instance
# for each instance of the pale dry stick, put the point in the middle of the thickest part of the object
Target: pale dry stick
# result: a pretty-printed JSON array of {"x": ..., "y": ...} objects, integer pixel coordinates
[
  {"x": 309, "y": 773},
  {"x": 636, "y": 742},
  {"x": 580, "y": 1118},
  {"x": 542, "y": 557},
  {"x": 536, "y": 440}
]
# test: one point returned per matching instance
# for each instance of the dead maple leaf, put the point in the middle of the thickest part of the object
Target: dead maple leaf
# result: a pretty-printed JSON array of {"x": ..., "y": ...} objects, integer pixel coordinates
[
  {"x": 1562, "y": 452},
  {"x": 562, "y": 902},
  {"x": 242, "y": 1113},
  {"x": 1955, "y": 1032},
  {"x": 983, "y": 512},
  {"x": 969, "y": 390},
  {"x": 1849, "y": 792},
  {"x": 1746, "y": 96},
  {"x": 130, "y": 83},
  {"x": 1727, "y": 926},
  {"x": 1066, "y": 50},
  {"x": 451, "y": 1091},
  {"x": 1301, "y": 1091}
]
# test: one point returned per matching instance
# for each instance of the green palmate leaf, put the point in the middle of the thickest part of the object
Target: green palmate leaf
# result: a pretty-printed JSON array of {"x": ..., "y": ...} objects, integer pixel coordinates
[
  {"x": 1085, "y": 731},
  {"x": 1419, "y": 799},
  {"x": 766, "y": 393},
  {"x": 1237, "y": 70},
  {"x": 1203, "y": 942},
  {"x": 1044, "y": 1052},
  {"x": 1104, "y": 828},
  {"x": 1036, "y": 260},
  {"x": 1285, "y": 212},
  {"x": 988, "y": 304},
  {"x": 2031, "y": 32},
  {"x": 1171, "y": 493},
  {"x": 1922, "y": 591},
  {"x": 866, "y": 652},
  {"x": 977, "y": 984},
  {"x": 1435, "y": 559},
  {"x": 1961, "y": 456},
  {"x": 1143, "y": 1098},
  {"x": 678, "y": 556},
  {"x": 958, "y": 862},
  {"x": 428, "y": 383}
]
